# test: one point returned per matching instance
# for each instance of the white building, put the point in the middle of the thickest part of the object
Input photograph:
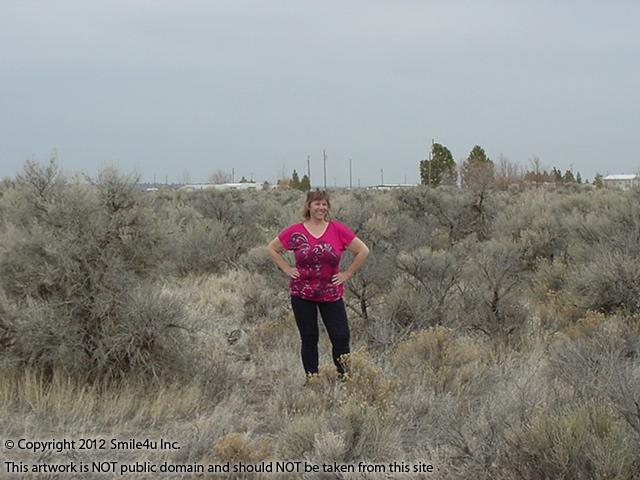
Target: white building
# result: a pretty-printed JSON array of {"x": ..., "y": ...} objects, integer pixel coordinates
[
  {"x": 622, "y": 182},
  {"x": 221, "y": 186},
  {"x": 392, "y": 186}
]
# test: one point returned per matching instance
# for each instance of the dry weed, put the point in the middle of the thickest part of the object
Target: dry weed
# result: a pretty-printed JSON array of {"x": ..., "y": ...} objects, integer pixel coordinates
[{"x": 240, "y": 447}]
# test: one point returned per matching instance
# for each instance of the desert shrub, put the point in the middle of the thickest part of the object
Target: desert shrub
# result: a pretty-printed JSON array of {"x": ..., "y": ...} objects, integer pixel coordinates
[
  {"x": 368, "y": 432},
  {"x": 272, "y": 288},
  {"x": 365, "y": 382},
  {"x": 490, "y": 291},
  {"x": 609, "y": 282},
  {"x": 615, "y": 225},
  {"x": 421, "y": 296},
  {"x": 449, "y": 210},
  {"x": 551, "y": 302},
  {"x": 239, "y": 221},
  {"x": 74, "y": 254},
  {"x": 581, "y": 442},
  {"x": 259, "y": 299},
  {"x": 329, "y": 447},
  {"x": 468, "y": 425},
  {"x": 445, "y": 361},
  {"x": 536, "y": 224},
  {"x": 152, "y": 337},
  {"x": 146, "y": 338},
  {"x": 200, "y": 247},
  {"x": 373, "y": 219},
  {"x": 550, "y": 276},
  {"x": 598, "y": 358},
  {"x": 32, "y": 192},
  {"x": 450, "y": 213},
  {"x": 39, "y": 341},
  {"x": 297, "y": 439},
  {"x": 192, "y": 244}
]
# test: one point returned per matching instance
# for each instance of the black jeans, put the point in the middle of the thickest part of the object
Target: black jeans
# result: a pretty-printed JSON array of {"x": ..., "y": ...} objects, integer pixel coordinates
[{"x": 334, "y": 317}]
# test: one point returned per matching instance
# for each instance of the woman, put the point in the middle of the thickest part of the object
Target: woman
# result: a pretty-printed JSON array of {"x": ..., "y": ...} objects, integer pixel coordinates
[{"x": 316, "y": 281}]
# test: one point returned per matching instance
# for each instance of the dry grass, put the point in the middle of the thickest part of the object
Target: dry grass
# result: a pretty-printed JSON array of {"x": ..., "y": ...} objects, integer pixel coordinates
[{"x": 62, "y": 404}]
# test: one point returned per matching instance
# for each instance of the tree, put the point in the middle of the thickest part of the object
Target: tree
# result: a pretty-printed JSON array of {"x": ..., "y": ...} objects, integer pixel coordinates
[
  {"x": 597, "y": 181},
  {"x": 507, "y": 173},
  {"x": 478, "y": 155},
  {"x": 295, "y": 180},
  {"x": 477, "y": 174},
  {"x": 220, "y": 176},
  {"x": 441, "y": 169},
  {"x": 477, "y": 171},
  {"x": 579, "y": 179},
  {"x": 535, "y": 174},
  {"x": 305, "y": 183},
  {"x": 568, "y": 177}
]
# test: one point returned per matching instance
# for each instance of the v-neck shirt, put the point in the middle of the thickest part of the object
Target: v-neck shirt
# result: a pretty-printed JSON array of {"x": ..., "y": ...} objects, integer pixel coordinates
[
  {"x": 314, "y": 236},
  {"x": 317, "y": 260}
]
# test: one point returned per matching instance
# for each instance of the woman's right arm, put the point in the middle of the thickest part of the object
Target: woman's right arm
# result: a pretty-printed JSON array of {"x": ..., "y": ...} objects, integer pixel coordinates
[{"x": 275, "y": 250}]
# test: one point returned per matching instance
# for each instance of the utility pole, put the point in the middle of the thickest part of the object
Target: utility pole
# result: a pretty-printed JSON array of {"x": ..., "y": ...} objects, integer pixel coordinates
[
  {"x": 350, "y": 176},
  {"x": 430, "y": 152},
  {"x": 233, "y": 175},
  {"x": 324, "y": 160},
  {"x": 382, "y": 176}
]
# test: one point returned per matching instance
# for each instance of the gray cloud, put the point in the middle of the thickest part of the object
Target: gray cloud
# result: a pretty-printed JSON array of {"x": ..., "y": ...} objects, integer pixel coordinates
[{"x": 162, "y": 86}]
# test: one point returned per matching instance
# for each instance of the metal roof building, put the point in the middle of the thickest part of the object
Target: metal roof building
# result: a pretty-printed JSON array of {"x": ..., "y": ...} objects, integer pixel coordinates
[{"x": 621, "y": 181}]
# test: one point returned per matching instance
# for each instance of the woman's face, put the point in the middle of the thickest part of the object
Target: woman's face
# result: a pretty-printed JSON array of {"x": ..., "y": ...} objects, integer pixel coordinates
[{"x": 318, "y": 209}]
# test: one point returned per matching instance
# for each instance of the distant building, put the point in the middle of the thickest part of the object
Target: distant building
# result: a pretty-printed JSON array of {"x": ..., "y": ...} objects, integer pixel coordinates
[
  {"x": 392, "y": 186},
  {"x": 221, "y": 186},
  {"x": 621, "y": 182}
]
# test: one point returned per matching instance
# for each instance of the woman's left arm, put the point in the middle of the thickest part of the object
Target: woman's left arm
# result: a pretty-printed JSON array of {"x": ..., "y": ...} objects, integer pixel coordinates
[{"x": 357, "y": 247}]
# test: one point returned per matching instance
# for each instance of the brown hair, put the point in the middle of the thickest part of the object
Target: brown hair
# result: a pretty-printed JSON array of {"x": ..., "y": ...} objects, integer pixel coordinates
[{"x": 312, "y": 196}]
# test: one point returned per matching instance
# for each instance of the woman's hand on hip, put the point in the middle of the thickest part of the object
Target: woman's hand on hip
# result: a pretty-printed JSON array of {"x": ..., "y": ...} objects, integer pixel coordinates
[
  {"x": 292, "y": 272},
  {"x": 340, "y": 278}
]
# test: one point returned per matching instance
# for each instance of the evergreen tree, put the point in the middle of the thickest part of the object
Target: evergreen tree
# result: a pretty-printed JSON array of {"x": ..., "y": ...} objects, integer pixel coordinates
[
  {"x": 441, "y": 169},
  {"x": 478, "y": 155},
  {"x": 295, "y": 180},
  {"x": 305, "y": 184},
  {"x": 477, "y": 170},
  {"x": 568, "y": 177},
  {"x": 597, "y": 181},
  {"x": 579, "y": 179}
]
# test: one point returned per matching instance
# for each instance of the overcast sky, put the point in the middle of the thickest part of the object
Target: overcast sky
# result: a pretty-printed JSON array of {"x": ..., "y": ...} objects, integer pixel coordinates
[{"x": 183, "y": 88}]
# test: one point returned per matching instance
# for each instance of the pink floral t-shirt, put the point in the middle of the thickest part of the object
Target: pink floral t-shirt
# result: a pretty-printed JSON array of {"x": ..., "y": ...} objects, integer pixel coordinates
[{"x": 317, "y": 260}]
